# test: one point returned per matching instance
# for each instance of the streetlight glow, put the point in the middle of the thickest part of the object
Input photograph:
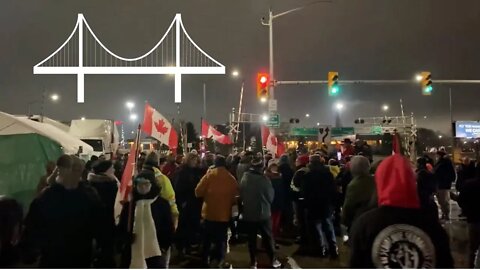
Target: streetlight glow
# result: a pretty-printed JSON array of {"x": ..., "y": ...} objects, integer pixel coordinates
[
  {"x": 440, "y": 136},
  {"x": 307, "y": 115},
  {"x": 235, "y": 73},
  {"x": 133, "y": 117},
  {"x": 385, "y": 108},
  {"x": 130, "y": 105},
  {"x": 418, "y": 77},
  {"x": 318, "y": 124},
  {"x": 83, "y": 118},
  {"x": 263, "y": 99},
  {"x": 54, "y": 97},
  {"x": 339, "y": 106},
  {"x": 265, "y": 118}
]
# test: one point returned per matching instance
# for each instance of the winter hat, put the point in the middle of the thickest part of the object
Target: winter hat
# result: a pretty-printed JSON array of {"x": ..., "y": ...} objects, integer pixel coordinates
[
  {"x": 155, "y": 189},
  {"x": 151, "y": 160},
  {"x": 303, "y": 160},
  {"x": 101, "y": 166},
  {"x": 396, "y": 183},
  {"x": 284, "y": 159},
  {"x": 272, "y": 163},
  {"x": 257, "y": 162},
  {"x": 220, "y": 161},
  {"x": 359, "y": 165}
]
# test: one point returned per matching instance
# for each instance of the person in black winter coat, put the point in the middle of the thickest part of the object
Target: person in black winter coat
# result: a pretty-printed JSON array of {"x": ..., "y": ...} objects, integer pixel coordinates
[
  {"x": 64, "y": 220},
  {"x": 399, "y": 233},
  {"x": 465, "y": 172},
  {"x": 469, "y": 200},
  {"x": 299, "y": 200},
  {"x": 106, "y": 185},
  {"x": 286, "y": 171},
  {"x": 319, "y": 190},
  {"x": 426, "y": 187},
  {"x": 11, "y": 215},
  {"x": 445, "y": 175},
  {"x": 186, "y": 180},
  {"x": 146, "y": 193}
]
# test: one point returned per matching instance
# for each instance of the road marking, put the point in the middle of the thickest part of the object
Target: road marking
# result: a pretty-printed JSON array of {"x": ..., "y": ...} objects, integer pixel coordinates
[{"x": 292, "y": 263}]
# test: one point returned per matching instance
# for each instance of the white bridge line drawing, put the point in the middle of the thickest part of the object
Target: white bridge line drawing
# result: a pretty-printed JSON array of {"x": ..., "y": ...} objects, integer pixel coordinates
[{"x": 83, "y": 53}]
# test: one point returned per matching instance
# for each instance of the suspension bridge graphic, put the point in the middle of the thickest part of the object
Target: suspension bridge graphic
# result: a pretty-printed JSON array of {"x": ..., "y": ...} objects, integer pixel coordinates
[{"x": 83, "y": 53}]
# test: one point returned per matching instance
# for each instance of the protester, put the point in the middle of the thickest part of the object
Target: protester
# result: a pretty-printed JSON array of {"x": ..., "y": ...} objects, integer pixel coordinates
[
  {"x": 147, "y": 227},
  {"x": 469, "y": 200},
  {"x": 298, "y": 198},
  {"x": 244, "y": 164},
  {"x": 427, "y": 187},
  {"x": 347, "y": 148},
  {"x": 256, "y": 193},
  {"x": 279, "y": 199},
  {"x": 186, "y": 180},
  {"x": 358, "y": 198},
  {"x": 319, "y": 190},
  {"x": 103, "y": 180},
  {"x": 152, "y": 165},
  {"x": 466, "y": 172},
  {"x": 43, "y": 180},
  {"x": 170, "y": 167},
  {"x": 219, "y": 191},
  {"x": 398, "y": 234},
  {"x": 445, "y": 175},
  {"x": 64, "y": 219},
  {"x": 285, "y": 170},
  {"x": 11, "y": 215}
]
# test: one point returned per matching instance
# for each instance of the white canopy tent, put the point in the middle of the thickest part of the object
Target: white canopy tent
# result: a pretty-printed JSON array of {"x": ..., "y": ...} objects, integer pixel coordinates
[{"x": 11, "y": 125}]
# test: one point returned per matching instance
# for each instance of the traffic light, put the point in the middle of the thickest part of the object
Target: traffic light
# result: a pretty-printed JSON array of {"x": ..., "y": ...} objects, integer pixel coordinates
[
  {"x": 333, "y": 88},
  {"x": 426, "y": 82},
  {"x": 263, "y": 82}
]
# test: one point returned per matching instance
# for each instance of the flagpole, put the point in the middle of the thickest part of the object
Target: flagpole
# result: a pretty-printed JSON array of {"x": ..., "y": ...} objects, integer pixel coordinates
[{"x": 130, "y": 206}]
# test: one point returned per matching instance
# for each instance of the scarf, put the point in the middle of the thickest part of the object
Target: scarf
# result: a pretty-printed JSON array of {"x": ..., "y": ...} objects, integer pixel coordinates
[{"x": 145, "y": 245}]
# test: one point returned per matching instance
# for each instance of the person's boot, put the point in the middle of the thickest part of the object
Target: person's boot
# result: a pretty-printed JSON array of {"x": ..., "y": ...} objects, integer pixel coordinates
[{"x": 333, "y": 251}]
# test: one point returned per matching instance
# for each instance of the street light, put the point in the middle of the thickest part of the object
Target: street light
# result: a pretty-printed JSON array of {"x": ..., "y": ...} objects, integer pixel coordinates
[
  {"x": 418, "y": 77},
  {"x": 263, "y": 99},
  {"x": 54, "y": 97},
  {"x": 307, "y": 115},
  {"x": 265, "y": 118},
  {"x": 83, "y": 118},
  {"x": 339, "y": 106},
  {"x": 235, "y": 73},
  {"x": 385, "y": 108},
  {"x": 440, "y": 136},
  {"x": 130, "y": 105},
  {"x": 318, "y": 124},
  {"x": 133, "y": 117},
  {"x": 269, "y": 22}
]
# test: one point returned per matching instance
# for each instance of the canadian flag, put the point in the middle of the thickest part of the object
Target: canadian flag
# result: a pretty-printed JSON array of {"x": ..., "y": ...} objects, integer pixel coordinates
[
  {"x": 270, "y": 141},
  {"x": 125, "y": 183},
  {"x": 158, "y": 127},
  {"x": 396, "y": 147},
  {"x": 208, "y": 131}
]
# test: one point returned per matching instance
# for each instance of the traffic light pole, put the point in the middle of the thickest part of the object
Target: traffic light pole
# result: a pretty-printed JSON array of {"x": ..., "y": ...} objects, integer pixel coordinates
[{"x": 376, "y": 82}]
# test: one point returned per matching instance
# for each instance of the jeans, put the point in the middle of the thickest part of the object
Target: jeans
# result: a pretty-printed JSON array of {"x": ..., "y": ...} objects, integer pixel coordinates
[
  {"x": 443, "y": 197},
  {"x": 474, "y": 237},
  {"x": 265, "y": 229},
  {"x": 302, "y": 221},
  {"x": 216, "y": 234},
  {"x": 321, "y": 232}
]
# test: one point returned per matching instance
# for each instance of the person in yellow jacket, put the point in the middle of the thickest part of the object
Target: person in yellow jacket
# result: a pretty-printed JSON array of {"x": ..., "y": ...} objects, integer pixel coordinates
[
  {"x": 219, "y": 191},
  {"x": 166, "y": 192}
]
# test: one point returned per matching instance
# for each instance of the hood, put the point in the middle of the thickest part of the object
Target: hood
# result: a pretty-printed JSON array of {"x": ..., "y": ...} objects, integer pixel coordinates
[
  {"x": 359, "y": 166},
  {"x": 396, "y": 184},
  {"x": 99, "y": 178}
]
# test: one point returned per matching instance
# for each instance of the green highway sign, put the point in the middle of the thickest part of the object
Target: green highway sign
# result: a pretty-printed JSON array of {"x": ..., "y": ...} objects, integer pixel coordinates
[
  {"x": 343, "y": 131},
  {"x": 273, "y": 121},
  {"x": 304, "y": 132},
  {"x": 377, "y": 130}
]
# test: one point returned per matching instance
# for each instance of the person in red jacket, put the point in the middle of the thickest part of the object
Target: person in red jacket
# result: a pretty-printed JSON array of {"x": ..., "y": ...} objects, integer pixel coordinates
[{"x": 399, "y": 233}]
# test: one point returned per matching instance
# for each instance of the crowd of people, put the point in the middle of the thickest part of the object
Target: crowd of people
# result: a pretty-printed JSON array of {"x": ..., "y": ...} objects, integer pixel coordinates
[{"x": 198, "y": 205}]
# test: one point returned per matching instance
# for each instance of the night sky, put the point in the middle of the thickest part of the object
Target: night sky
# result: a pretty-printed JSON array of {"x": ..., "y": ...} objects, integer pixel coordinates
[{"x": 367, "y": 39}]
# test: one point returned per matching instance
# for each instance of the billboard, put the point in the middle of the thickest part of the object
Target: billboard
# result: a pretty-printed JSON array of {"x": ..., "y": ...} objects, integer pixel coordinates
[{"x": 467, "y": 129}]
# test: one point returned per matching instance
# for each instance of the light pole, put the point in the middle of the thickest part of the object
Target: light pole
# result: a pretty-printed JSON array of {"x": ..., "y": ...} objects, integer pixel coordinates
[
  {"x": 338, "y": 108},
  {"x": 53, "y": 97},
  {"x": 269, "y": 22}
]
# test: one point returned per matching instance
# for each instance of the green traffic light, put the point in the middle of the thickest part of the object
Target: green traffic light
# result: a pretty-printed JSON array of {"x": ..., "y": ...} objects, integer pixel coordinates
[
  {"x": 429, "y": 89},
  {"x": 334, "y": 90}
]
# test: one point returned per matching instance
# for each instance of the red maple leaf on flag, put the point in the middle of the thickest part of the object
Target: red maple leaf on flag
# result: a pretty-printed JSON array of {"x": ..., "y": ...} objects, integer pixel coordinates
[{"x": 160, "y": 126}]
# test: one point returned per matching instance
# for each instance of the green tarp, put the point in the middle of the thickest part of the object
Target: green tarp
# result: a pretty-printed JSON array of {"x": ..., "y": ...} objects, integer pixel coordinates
[{"x": 22, "y": 162}]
